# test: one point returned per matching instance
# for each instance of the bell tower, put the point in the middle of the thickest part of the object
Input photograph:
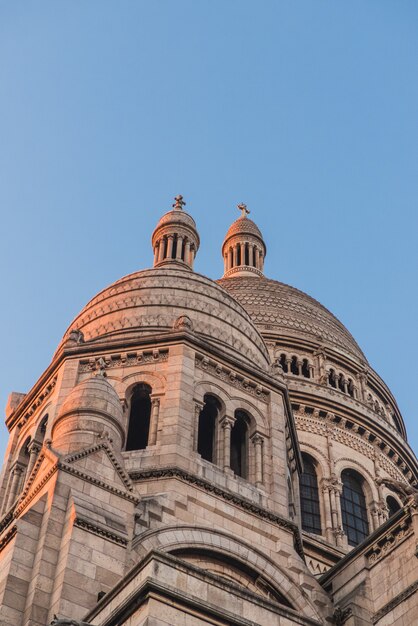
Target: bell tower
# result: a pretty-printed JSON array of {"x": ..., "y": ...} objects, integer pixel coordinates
[{"x": 243, "y": 248}]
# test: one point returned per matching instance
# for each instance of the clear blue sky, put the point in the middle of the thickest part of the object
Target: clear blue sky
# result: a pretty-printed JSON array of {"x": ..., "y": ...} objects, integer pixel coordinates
[{"x": 306, "y": 111}]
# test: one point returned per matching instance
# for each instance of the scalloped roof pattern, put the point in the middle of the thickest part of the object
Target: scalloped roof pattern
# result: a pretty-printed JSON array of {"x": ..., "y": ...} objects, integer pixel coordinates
[
  {"x": 243, "y": 225},
  {"x": 290, "y": 312}
]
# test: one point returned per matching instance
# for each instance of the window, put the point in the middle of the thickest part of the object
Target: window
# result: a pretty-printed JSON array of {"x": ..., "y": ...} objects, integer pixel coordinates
[
  {"x": 239, "y": 444},
  {"x": 139, "y": 418},
  {"x": 393, "y": 505},
  {"x": 207, "y": 428},
  {"x": 353, "y": 508},
  {"x": 309, "y": 497}
]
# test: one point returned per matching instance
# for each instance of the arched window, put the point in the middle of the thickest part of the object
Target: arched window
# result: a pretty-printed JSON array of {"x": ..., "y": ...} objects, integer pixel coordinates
[
  {"x": 331, "y": 378},
  {"x": 239, "y": 445},
  {"x": 393, "y": 505},
  {"x": 353, "y": 507},
  {"x": 294, "y": 366},
  {"x": 43, "y": 425},
  {"x": 139, "y": 417},
  {"x": 305, "y": 368},
  {"x": 309, "y": 497},
  {"x": 283, "y": 362},
  {"x": 207, "y": 428}
]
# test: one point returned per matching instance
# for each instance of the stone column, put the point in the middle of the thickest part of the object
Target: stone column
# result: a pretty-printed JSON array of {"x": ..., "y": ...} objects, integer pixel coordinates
[
  {"x": 227, "y": 424},
  {"x": 327, "y": 510},
  {"x": 179, "y": 247},
  {"x": 258, "y": 442},
  {"x": 153, "y": 427},
  {"x": 16, "y": 474},
  {"x": 299, "y": 364},
  {"x": 187, "y": 252},
  {"x": 311, "y": 371},
  {"x": 230, "y": 255},
  {"x": 34, "y": 450},
  {"x": 170, "y": 246},
  {"x": 198, "y": 406},
  {"x": 261, "y": 261},
  {"x": 161, "y": 249},
  {"x": 257, "y": 258},
  {"x": 156, "y": 253},
  {"x": 251, "y": 255},
  {"x": 235, "y": 255},
  {"x": 242, "y": 253}
]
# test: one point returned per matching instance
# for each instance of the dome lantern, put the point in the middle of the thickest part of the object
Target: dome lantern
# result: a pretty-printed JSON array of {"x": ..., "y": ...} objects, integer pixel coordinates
[
  {"x": 175, "y": 239},
  {"x": 243, "y": 248}
]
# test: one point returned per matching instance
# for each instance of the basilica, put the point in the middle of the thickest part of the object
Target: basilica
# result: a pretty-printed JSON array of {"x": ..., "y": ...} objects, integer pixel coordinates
[{"x": 207, "y": 452}]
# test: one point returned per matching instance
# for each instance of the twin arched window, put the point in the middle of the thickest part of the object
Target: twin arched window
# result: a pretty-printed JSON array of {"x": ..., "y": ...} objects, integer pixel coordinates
[
  {"x": 139, "y": 418},
  {"x": 353, "y": 507},
  {"x": 208, "y": 436},
  {"x": 309, "y": 497}
]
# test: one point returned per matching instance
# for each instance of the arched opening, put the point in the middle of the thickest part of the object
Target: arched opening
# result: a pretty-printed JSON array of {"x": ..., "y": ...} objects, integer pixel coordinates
[
  {"x": 294, "y": 366},
  {"x": 247, "y": 255},
  {"x": 341, "y": 386},
  {"x": 331, "y": 378},
  {"x": 206, "y": 431},
  {"x": 350, "y": 388},
  {"x": 239, "y": 445},
  {"x": 309, "y": 497},
  {"x": 42, "y": 427},
  {"x": 139, "y": 417},
  {"x": 393, "y": 505},
  {"x": 353, "y": 507},
  {"x": 283, "y": 362},
  {"x": 305, "y": 368}
]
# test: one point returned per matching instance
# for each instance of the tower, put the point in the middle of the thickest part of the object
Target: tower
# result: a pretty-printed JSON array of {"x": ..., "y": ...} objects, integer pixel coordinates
[{"x": 190, "y": 455}]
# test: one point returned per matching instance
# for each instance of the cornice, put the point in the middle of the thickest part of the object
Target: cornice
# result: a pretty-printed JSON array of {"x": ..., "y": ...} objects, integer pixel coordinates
[{"x": 225, "y": 494}]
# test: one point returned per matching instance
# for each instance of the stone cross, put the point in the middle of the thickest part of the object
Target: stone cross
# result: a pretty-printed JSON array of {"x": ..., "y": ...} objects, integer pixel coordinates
[
  {"x": 243, "y": 208},
  {"x": 179, "y": 203}
]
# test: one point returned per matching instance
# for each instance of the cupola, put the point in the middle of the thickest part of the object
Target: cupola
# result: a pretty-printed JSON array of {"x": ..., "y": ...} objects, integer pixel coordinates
[
  {"x": 243, "y": 248},
  {"x": 175, "y": 239}
]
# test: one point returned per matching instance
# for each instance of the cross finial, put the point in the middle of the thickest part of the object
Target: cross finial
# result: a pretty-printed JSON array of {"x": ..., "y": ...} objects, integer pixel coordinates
[
  {"x": 179, "y": 203},
  {"x": 243, "y": 208}
]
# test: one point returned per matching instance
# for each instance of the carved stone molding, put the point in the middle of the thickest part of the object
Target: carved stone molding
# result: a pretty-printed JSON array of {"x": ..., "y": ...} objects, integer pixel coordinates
[
  {"x": 233, "y": 498},
  {"x": 123, "y": 359},
  {"x": 389, "y": 541},
  {"x": 95, "y": 529},
  {"x": 231, "y": 377},
  {"x": 39, "y": 400}
]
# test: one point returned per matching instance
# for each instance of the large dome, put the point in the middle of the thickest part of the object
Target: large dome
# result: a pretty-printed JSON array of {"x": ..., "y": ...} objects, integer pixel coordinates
[
  {"x": 282, "y": 310},
  {"x": 151, "y": 301}
]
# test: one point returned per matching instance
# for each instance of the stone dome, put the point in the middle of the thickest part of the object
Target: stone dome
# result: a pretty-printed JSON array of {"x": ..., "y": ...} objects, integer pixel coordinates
[
  {"x": 243, "y": 226},
  {"x": 149, "y": 302},
  {"x": 281, "y": 310},
  {"x": 91, "y": 408},
  {"x": 176, "y": 217}
]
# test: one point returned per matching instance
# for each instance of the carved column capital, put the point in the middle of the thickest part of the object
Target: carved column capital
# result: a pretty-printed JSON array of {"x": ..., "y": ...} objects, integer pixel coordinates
[{"x": 227, "y": 422}]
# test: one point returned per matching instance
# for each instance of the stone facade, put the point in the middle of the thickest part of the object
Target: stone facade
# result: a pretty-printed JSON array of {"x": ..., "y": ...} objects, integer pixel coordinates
[{"x": 156, "y": 472}]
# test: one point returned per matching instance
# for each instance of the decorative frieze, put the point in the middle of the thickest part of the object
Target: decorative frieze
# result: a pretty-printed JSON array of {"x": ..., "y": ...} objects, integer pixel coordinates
[
  {"x": 123, "y": 359},
  {"x": 389, "y": 541},
  {"x": 233, "y": 378},
  {"x": 38, "y": 401}
]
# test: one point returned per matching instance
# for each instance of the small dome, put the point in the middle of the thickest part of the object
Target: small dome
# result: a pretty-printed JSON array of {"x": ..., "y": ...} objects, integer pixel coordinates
[
  {"x": 243, "y": 226},
  {"x": 175, "y": 239},
  {"x": 91, "y": 409},
  {"x": 94, "y": 394},
  {"x": 243, "y": 249}
]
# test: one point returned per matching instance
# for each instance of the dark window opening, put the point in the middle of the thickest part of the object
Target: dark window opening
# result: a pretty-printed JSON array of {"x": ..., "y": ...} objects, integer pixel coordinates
[
  {"x": 350, "y": 388},
  {"x": 139, "y": 418},
  {"x": 174, "y": 251},
  {"x": 294, "y": 366},
  {"x": 393, "y": 505},
  {"x": 42, "y": 428},
  {"x": 309, "y": 497},
  {"x": 247, "y": 255},
  {"x": 238, "y": 255},
  {"x": 239, "y": 437},
  {"x": 283, "y": 362},
  {"x": 353, "y": 508},
  {"x": 207, "y": 428},
  {"x": 305, "y": 369},
  {"x": 341, "y": 386},
  {"x": 331, "y": 379}
]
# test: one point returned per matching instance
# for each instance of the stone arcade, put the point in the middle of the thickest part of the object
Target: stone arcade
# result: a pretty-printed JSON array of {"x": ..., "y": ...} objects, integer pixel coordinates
[{"x": 204, "y": 452}]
